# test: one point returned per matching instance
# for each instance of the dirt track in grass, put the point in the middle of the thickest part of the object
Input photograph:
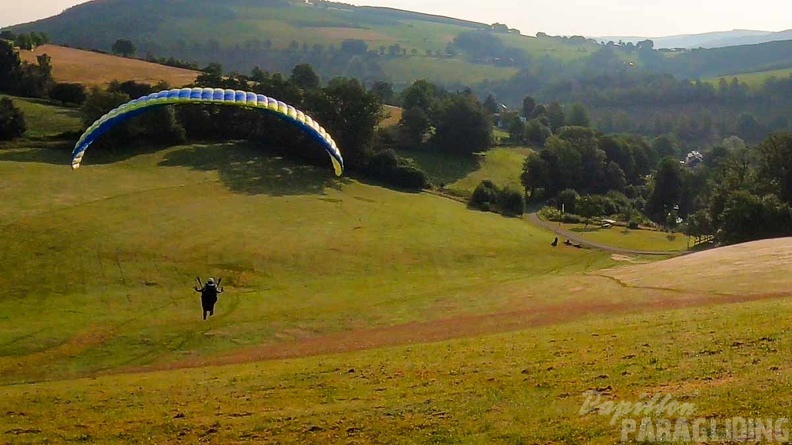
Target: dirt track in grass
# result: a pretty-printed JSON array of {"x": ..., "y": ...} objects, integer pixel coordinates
[{"x": 466, "y": 326}]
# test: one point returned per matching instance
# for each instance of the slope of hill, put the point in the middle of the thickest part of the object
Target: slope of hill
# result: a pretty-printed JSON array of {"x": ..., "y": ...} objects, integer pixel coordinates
[
  {"x": 109, "y": 254},
  {"x": 717, "y": 39},
  {"x": 91, "y": 68},
  {"x": 765, "y": 266},
  {"x": 277, "y": 34},
  {"x": 750, "y": 40},
  {"x": 401, "y": 315},
  {"x": 704, "y": 63}
]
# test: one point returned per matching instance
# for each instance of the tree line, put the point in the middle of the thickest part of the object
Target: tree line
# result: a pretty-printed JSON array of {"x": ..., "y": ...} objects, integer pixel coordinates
[
  {"x": 735, "y": 193},
  {"x": 26, "y": 41},
  {"x": 630, "y": 98}
]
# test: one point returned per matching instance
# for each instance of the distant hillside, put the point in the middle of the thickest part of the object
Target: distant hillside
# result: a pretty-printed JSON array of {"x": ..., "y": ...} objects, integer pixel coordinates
[
  {"x": 751, "y": 40},
  {"x": 277, "y": 34},
  {"x": 704, "y": 63},
  {"x": 91, "y": 68},
  {"x": 371, "y": 43},
  {"x": 718, "y": 39}
]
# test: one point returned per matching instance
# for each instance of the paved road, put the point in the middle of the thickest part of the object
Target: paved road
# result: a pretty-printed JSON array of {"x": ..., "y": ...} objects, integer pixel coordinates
[{"x": 575, "y": 238}]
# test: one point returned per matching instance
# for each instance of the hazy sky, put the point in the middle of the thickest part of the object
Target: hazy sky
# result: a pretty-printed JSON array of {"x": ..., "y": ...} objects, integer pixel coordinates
[{"x": 650, "y": 18}]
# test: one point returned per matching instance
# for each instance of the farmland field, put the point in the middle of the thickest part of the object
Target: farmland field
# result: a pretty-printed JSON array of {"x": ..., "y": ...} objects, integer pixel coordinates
[{"x": 89, "y": 68}]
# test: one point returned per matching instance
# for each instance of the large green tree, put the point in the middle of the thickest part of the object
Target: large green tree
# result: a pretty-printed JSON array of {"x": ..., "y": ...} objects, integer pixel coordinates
[
  {"x": 124, "y": 47},
  {"x": 528, "y": 105},
  {"x": 414, "y": 124},
  {"x": 578, "y": 116},
  {"x": 12, "y": 120},
  {"x": 462, "y": 125},
  {"x": 10, "y": 66},
  {"x": 534, "y": 174},
  {"x": 555, "y": 113},
  {"x": 775, "y": 163},
  {"x": 667, "y": 190},
  {"x": 304, "y": 76},
  {"x": 350, "y": 114},
  {"x": 421, "y": 94}
]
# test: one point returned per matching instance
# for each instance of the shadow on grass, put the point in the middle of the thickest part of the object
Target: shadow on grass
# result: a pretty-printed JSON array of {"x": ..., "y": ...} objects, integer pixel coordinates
[
  {"x": 42, "y": 152},
  {"x": 57, "y": 150},
  {"x": 242, "y": 167},
  {"x": 245, "y": 168}
]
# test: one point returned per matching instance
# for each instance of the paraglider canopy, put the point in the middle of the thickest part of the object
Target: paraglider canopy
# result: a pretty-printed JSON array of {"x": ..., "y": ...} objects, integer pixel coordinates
[{"x": 217, "y": 96}]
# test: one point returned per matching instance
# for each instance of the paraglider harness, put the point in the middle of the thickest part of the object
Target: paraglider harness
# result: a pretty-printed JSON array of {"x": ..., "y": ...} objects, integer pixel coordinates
[{"x": 209, "y": 293}]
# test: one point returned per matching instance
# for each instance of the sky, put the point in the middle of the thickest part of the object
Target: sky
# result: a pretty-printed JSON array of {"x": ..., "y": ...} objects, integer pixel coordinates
[{"x": 590, "y": 18}]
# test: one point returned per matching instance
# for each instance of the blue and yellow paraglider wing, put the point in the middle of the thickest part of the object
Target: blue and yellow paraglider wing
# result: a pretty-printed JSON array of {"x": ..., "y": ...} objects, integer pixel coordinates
[{"x": 217, "y": 96}]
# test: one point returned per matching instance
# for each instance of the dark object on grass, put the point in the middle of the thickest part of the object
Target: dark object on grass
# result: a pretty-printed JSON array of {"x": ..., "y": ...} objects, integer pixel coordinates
[{"x": 209, "y": 294}]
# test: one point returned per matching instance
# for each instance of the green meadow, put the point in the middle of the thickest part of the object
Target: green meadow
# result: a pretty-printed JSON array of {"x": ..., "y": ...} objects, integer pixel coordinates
[
  {"x": 755, "y": 80},
  {"x": 351, "y": 313},
  {"x": 640, "y": 239}
]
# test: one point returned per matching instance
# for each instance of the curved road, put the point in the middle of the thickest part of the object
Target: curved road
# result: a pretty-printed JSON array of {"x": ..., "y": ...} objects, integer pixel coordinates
[
  {"x": 534, "y": 219},
  {"x": 575, "y": 238}
]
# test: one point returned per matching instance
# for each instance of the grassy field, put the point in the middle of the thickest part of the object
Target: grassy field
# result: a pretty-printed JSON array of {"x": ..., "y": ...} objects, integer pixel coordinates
[
  {"x": 118, "y": 244},
  {"x": 392, "y": 116},
  {"x": 526, "y": 386},
  {"x": 352, "y": 313},
  {"x": 448, "y": 71},
  {"x": 461, "y": 174},
  {"x": 45, "y": 120},
  {"x": 755, "y": 80},
  {"x": 502, "y": 166},
  {"x": 90, "y": 68},
  {"x": 546, "y": 47},
  {"x": 630, "y": 239}
]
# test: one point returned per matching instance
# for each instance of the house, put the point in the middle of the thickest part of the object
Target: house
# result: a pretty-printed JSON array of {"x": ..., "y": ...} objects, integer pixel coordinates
[{"x": 693, "y": 159}]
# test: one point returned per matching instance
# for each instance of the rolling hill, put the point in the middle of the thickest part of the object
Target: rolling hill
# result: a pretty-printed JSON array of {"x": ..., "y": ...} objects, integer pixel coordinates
[
  {"x": 371, "y": 43},
  {"x": 351, "y": 313},
  {"x": 717, "y": 39},
  {"x": 277, "y": 34}
]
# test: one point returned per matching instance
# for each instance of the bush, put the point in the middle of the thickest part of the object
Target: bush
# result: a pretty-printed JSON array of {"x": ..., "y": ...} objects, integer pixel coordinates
[
  {"x": 512, "y": 202},
  {"x": 69, "y": 93},
  {"x": 553, "y": 214},
  {"x": 486, "y": 195},
  {"x": 633, "y": 225},
  {"x": 409, "y": 177},
  {"x": 568, "y": 198},
  {"x": 390, "y": 168},
  {"x": 549, "y": 214},
  {"x": 12, "y": 120}
]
